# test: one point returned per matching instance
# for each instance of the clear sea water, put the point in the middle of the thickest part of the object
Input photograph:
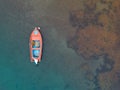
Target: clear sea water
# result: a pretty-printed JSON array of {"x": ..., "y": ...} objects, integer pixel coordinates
[{"x": 60, "y": 65}]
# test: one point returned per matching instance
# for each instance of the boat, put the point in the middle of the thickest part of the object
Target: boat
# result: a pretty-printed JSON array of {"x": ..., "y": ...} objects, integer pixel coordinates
[{"x": 35, "y": 45}]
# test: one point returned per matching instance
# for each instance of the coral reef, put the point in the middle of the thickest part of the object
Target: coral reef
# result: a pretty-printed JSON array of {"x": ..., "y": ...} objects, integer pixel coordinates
[{"x": 97, "y": 34}]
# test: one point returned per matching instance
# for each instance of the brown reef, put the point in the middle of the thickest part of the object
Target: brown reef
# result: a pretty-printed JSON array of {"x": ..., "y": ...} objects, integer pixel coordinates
[{"x": 98, "y": 33}]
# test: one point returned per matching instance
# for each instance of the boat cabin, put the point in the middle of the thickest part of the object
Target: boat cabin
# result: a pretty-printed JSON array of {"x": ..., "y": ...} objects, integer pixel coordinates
[{"x": 36, "y": 50}]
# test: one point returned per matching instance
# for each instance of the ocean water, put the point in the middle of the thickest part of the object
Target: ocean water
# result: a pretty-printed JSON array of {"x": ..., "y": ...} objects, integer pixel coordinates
[{"x": 60, "y": 65}]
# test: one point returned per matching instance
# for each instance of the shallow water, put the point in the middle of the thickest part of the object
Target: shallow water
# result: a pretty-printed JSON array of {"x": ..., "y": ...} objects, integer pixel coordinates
[{"x": 60, "y": 66}]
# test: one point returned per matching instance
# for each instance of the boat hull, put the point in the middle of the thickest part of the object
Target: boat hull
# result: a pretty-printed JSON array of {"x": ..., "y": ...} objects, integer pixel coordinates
[{"x": 35, "y": 44}]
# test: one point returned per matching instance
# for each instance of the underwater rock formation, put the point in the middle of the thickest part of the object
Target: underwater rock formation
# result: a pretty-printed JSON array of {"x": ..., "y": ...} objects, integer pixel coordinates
[{"x": 97, "y": 34}]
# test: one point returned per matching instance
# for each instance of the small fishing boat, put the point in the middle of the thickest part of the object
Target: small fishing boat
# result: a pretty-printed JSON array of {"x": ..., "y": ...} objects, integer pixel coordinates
[{"x": 35, "y": 45}]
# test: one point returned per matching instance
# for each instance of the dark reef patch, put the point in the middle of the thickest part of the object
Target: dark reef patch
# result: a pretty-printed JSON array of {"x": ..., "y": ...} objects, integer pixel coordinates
[{"x": 97, "y": 34}]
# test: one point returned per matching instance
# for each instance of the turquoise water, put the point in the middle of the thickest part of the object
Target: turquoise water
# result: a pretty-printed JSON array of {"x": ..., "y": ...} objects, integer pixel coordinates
[{"x": 60, "y": 66}]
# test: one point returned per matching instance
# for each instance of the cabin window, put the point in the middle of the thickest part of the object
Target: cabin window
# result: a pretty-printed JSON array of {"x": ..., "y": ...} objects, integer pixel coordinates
[
  {"x": 36, "y": 53},
  {"x": 35, "y": 44}
]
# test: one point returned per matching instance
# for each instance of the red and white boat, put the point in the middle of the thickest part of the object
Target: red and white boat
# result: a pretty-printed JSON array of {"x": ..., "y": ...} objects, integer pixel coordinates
[{"x": 35, "y": 45}]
